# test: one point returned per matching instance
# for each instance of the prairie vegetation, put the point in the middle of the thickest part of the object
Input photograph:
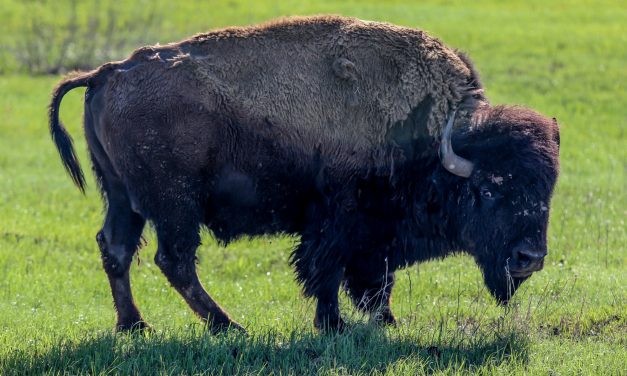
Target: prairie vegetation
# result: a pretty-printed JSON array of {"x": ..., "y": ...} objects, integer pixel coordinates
[{"x": 565, "y": 59}]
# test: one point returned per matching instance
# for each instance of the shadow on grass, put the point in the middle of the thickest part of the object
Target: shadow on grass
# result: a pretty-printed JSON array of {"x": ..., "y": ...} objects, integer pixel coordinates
[{"x": 361, "y": 351}]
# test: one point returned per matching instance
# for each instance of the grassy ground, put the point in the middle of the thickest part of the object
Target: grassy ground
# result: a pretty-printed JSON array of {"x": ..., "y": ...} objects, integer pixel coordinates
[{"x": 566, "y": 59}]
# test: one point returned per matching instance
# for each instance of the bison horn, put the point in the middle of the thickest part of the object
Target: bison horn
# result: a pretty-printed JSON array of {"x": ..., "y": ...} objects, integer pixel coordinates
[{"x": 452, "y": 162}]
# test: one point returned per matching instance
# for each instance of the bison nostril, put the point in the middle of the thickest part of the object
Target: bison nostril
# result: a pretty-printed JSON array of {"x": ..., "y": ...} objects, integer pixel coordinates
[{"x": 529, "y": 257}]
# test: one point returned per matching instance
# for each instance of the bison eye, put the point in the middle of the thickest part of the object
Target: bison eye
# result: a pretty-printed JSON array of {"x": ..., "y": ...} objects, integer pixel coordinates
[{"x": 485, "y": 193}]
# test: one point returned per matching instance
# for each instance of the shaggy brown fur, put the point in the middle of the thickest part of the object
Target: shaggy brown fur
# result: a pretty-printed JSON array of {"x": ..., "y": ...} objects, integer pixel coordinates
[{"x": 316, "y": 79}]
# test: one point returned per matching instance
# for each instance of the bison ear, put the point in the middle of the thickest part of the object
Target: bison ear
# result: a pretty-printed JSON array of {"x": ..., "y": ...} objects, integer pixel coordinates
[
  {"x": 345, "y": 69},
  {"x": 556, "y": 133}
]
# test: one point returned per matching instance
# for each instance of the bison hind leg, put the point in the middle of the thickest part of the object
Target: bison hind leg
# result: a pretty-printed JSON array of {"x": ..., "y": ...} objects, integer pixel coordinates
[
  {"x": 118, "y": 240},
  {"x": 178, "y": 236}
]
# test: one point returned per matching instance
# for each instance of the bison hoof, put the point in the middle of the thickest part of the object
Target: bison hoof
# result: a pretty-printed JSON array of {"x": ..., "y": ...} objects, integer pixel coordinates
[
  {"x": 330, "y": 325},
  {"x": 384, "y": 318},
  {"x": 133, "y": 327},
  {"x": 222, "y": 327}
]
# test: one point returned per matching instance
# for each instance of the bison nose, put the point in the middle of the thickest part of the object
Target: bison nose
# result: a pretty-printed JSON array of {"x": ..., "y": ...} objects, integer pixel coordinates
[{"x": 529, "y": 260}]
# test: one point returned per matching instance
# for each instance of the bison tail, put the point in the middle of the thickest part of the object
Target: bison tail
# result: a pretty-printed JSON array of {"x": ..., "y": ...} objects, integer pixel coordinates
[{"x": 60, "y": 136}]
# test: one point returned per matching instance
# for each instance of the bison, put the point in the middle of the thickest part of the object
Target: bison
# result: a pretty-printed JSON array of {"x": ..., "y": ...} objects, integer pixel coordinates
[{"x": 372, "y": 142}]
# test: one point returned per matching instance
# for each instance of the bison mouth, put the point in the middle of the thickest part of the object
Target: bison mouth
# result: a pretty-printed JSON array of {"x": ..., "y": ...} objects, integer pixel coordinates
[
  {"x": 504, "y": 275},
  {"x": 520, "y": 274},
  {"x": 525, "y": 272}
]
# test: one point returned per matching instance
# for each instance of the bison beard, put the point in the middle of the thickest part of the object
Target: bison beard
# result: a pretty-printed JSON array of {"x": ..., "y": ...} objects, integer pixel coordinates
[{"x": 178, "y": 139}]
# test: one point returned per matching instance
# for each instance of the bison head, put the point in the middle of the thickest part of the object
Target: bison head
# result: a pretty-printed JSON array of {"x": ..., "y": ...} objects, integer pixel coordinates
[{"x": 509, "y": 165}]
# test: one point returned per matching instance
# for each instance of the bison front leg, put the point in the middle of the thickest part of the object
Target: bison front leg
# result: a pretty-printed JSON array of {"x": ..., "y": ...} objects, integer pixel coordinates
[
  {"x": 176, "y": 259},
  {"x": 118, "y": 241},
  {"x": 369, "y": 284},
  {"x": 328, "y": 318},
  {"x": 369, "y": 281},
  {"x": 321, "y": 277},
  {"x": 319, "y": 261}
]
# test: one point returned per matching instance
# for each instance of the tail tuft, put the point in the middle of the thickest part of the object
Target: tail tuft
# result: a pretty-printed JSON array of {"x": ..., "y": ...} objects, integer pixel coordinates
[
  {"x": 60, "y": 136},
  {"x": 65, "y": 146}
]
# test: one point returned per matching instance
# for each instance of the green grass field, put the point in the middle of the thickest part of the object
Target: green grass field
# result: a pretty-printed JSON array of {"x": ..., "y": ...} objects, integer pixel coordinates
[{"x": 567, "y": 59}]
